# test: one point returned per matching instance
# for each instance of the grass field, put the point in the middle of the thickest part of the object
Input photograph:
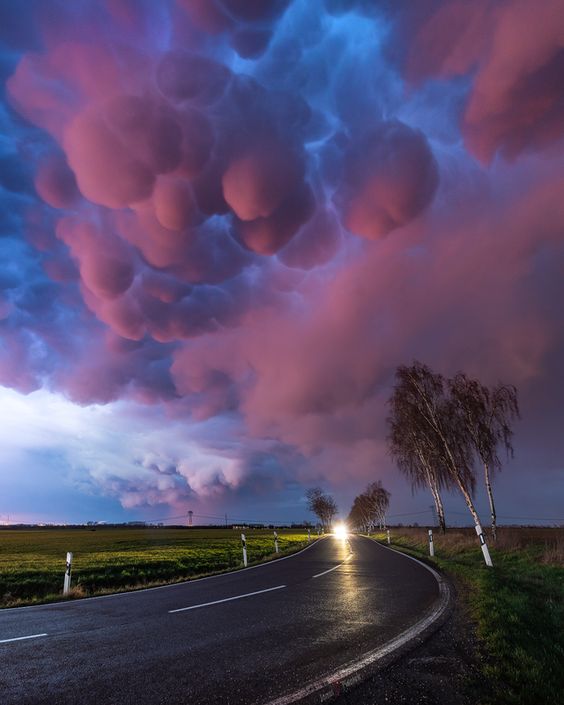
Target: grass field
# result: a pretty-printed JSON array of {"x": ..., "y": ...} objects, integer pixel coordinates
[
  {"x": 32, "y": 561},
  {"x": 518, "y": 607}
]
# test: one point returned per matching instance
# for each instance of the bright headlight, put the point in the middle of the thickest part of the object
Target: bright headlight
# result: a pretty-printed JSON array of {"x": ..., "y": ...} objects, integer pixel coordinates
[{"x": 340, "y": 531}]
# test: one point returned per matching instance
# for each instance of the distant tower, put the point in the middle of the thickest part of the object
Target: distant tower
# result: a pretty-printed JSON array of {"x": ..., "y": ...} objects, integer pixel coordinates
[{"x": 190, "y": 517}]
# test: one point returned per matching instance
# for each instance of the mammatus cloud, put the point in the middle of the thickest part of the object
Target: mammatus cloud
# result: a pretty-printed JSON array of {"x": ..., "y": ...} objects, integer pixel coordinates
[
  {"x": 244, "y": 215},
  {"x": 515, "y": 99},
  {"x": 390, "y": 177}
]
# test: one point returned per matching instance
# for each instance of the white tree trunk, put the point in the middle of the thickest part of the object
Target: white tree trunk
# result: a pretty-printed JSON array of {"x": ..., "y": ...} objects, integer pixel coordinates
[
  {"x": 477, "y": 524},
  {"x": 439, "y": 506},
  {"x": 431, "y": 481},
  {"x": 491, "y": 500}
]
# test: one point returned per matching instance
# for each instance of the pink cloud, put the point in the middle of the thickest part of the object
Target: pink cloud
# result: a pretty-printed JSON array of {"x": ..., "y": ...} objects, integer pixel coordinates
[
  {"x": 117, "y": 152},
  {"x": 515, "y": 50},
  {"x": 267, "y": 235},
  {"x": 240, "y": 241},
  {"x": 174, "y": 204},
  {"x": 516, "y": 102},
  {"x": 319, "y": 376},
  {"x": 105, "y": 262},
  {"x": 257, "y": 182},
  {"x": 55, "y": 182},
  {"x": 390, "y": 177}
]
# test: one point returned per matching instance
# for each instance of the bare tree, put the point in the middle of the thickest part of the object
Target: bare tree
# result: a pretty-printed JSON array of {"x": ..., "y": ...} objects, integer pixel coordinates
[
  {"x": 488, "y": 414},
  {"x": 322, "y": 505},
  {"x": 413, "y": 447},
  {"x": 437, "y": 419}
]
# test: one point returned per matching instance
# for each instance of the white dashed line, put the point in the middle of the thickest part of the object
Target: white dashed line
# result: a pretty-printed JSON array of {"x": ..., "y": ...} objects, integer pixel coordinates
[
  {"x": 227, "y": 599},
  {"x": 21, "y": 638},
  {"x": 334, "y": 567}
]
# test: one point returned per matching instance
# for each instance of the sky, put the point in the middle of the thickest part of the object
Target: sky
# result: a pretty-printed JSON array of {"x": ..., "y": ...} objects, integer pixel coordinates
[{"x": 225, "y": 223}]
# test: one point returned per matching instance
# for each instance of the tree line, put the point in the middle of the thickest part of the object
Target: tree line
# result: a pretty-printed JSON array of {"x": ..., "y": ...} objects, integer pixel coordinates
[{"x": 368, "y": 510}]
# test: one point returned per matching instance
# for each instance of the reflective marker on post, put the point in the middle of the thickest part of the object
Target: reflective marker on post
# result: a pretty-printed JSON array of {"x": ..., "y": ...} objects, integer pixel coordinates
[
  {"x": 431, "y": 546},
  {"x": 244, "y": 542},
  {"x": 66, "y": 588},
  {"x": 388, "y": 532},
  {"x": 275, "y": 542},
  {"x": 484, "y": 546}
]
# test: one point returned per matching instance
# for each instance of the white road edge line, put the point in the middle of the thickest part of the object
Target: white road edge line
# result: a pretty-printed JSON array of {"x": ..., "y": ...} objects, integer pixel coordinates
[
  {"x": 351, "y": 674},
  {"x": 227, "y": 599},
  {"x": 21, "y": 638},
  {"x": 334, "y": 567}
]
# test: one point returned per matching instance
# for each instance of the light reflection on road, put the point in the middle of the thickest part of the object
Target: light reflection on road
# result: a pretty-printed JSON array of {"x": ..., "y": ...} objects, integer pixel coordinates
[{"x": 353, "y": 595}]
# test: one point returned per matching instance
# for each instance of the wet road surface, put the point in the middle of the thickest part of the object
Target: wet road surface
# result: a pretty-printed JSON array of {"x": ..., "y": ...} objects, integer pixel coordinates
[{"x": 237, "y": 639}]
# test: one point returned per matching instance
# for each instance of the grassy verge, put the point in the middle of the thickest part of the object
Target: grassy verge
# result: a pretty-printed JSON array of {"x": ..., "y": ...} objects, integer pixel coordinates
[
  {"x": 111, "y": 559},
  {"x": 518, "y": 607}
]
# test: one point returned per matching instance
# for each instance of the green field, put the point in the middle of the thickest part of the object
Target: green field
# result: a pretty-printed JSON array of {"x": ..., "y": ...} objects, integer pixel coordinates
[
  {"x": 517, "y": 606},
  {"x": 107, "y": 559}
]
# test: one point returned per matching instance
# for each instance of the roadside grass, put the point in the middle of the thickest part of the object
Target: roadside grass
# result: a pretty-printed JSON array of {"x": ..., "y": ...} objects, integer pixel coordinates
[
  {"x": 518, "y": 607},
  {"x": 111, "y": 559}
]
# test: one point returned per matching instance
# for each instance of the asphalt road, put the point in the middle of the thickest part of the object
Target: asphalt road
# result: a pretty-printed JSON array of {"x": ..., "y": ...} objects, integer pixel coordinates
[{"x": 311, "y": 613}]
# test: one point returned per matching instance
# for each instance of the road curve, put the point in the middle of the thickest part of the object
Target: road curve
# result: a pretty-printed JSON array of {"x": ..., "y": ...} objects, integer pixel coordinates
[{"x": 242, "y": 638}]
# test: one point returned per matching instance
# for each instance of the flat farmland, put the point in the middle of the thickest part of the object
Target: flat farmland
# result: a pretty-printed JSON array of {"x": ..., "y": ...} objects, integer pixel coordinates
[{"x": 109, "y": 559}]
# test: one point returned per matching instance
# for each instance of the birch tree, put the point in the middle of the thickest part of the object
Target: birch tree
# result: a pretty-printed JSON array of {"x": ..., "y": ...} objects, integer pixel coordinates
[
  {"x": 423, "y": 397},
  {"x": 413, "y": 447},
  {"x": 488, "y": 415}
]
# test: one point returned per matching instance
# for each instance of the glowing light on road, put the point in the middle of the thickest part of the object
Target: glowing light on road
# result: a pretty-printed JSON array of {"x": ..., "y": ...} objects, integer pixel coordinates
[{"x": 340, "y": 531}]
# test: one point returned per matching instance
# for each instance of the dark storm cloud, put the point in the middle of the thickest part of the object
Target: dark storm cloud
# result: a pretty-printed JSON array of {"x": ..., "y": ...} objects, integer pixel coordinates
[{"x": 251, "y": 211}]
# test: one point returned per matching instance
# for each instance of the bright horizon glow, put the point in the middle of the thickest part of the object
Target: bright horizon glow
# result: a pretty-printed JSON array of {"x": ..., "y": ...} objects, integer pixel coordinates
[{"x": 81, "y": 449}]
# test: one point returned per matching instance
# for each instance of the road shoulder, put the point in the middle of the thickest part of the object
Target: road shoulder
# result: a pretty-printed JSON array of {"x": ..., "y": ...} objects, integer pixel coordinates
[{"x": 440, "y": 668}]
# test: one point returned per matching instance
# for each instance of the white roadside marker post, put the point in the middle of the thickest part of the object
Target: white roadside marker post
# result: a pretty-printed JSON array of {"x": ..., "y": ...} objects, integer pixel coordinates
[
  {"x": 431, "y": 546},
  {"x": 275, "y": 542},
  {"x": 244, "y": 542},
  {"x": 388, "y": 532},
  {"x": 484, "y": 546},
  {"x": 308, "y": 535},
  {"x": 66, "y": 588}
]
